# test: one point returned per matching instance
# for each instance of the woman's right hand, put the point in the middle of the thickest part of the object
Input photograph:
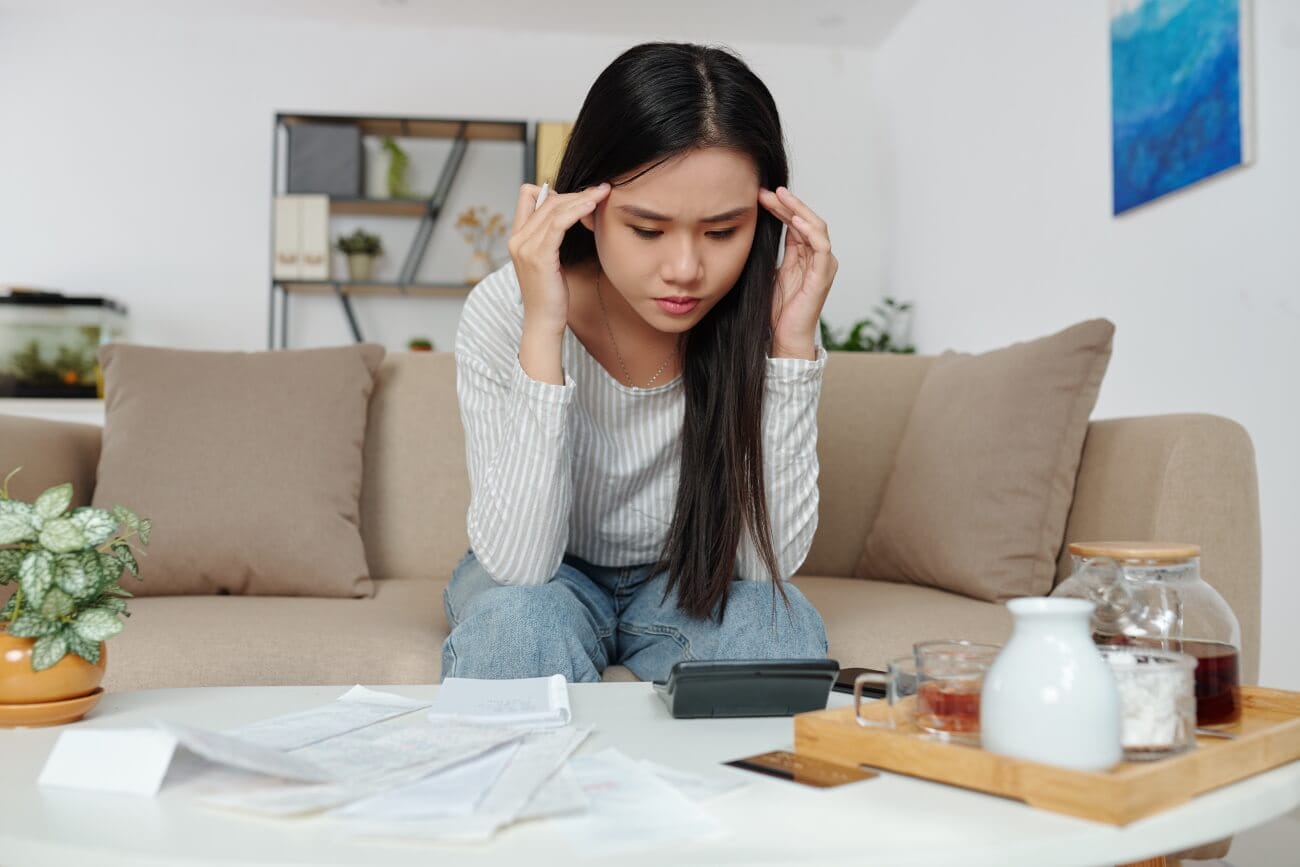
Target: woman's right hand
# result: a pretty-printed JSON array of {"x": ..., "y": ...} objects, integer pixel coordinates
[{"x": 535, "y": 249}]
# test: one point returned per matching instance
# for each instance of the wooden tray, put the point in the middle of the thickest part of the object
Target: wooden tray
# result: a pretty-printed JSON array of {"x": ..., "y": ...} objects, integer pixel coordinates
[{"x": 1267, "y": 736}]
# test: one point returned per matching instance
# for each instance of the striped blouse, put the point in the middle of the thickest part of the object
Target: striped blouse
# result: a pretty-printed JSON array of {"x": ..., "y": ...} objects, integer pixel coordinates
[{"x": 591, "y": 467}]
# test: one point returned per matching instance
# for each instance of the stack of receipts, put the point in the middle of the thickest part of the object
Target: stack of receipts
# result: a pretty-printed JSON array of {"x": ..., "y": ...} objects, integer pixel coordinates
[{"x": 484, "y": 755}]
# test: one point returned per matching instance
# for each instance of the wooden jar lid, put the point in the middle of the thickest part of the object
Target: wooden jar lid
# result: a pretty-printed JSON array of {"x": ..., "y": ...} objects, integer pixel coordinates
[{"x": 1137, "y": 552}]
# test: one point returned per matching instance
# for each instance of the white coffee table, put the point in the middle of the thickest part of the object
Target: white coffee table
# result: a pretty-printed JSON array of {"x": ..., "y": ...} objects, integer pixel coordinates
[{"x": 890, "y": 819}]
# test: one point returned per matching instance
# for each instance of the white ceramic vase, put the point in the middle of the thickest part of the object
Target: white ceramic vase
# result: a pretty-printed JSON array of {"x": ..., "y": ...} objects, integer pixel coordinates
[{"x": 1050, "y": 696}]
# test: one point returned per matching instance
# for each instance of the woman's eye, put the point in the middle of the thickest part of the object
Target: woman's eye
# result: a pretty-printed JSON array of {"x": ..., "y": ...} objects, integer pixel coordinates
[
  {"x": 646, "y": 233},
  {"x": 722, "y": 234}
]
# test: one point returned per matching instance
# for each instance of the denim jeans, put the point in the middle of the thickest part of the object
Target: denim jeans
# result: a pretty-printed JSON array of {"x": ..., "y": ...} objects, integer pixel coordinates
[{"x": 588, "y": 617}]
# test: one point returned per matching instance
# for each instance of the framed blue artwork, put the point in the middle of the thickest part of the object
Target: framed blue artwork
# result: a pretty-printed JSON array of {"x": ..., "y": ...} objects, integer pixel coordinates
[{"x": 1179, "y": 108}]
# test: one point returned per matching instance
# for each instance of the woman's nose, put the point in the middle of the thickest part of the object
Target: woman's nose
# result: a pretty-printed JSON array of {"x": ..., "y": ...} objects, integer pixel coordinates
[{"x": 684, "y": 264}]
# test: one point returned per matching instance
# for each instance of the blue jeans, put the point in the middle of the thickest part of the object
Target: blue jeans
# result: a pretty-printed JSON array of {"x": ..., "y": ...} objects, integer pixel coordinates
[{"x": 588, "y": 617}]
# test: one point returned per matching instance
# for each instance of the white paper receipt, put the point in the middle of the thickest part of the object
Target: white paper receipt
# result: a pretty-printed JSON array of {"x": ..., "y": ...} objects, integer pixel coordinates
[{"x": 531, "y": 702}]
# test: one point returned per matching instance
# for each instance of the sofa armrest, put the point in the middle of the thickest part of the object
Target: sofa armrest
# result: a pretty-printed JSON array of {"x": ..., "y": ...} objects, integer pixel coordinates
[
  {"x": 1177, "y": 478},
  {"x": 50, "y": 453}
]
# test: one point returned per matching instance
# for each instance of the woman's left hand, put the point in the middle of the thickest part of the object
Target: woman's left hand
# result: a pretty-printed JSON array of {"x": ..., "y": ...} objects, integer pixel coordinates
[{"x": 804, "y": 278}]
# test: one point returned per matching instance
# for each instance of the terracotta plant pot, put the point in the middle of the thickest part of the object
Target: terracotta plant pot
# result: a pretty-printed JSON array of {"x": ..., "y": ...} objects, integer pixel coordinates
[{"x": 71, "y": 677}]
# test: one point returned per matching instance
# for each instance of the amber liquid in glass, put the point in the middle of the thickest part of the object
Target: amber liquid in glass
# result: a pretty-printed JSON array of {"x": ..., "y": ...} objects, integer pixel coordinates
[
  {"x": 949, "y": 705},
  {"x": 1218, "y": 678}
]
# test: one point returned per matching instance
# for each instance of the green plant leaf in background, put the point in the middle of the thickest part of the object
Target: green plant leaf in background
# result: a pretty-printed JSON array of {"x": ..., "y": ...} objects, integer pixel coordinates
[
  {"x": 47, "y": 651},
  {"x": 10, "y": 560},
  {"x": 54, "y": 502},
  {"x": 56, "y": 605},
  {"x": 77, "y": 573},
  {"x": 97, "y": 525},
  {"x": 96, "y": 624},
  {"x": 126, "y": 517},
  {"x": 33, "y": 626},
  {"x": 60, "y": 535},
  {"x": 36, "y": 575},
  {"x": 87, "y": 650},
  {"x": 16, "y": 524}
]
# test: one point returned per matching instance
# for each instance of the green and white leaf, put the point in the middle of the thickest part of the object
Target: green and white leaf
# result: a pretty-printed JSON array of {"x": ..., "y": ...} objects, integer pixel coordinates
[
  {"x": 144, "y": 530},
  {"x": 97, "y": 525},
  {"x": 54, "y": 502},
  {"x": 110, "y": 567},
  {"x": 48, "y": 651},
  {"x": 126, "y": 517},
  {"x": 87, "y": 650},
  {"x": 33, "y": 626},
  {"x": 111, "y": 603},
  {"x": 7, "y": 613},
  {"x": 36, "y": 575},
  {"x": 56, "y": 604},
  {"x": 97, "y": 624},
  {"x": 127, "y": 557},
  {"x": 77, "y": 574},
  {"x": 10, "y": 560},
  {"x": 62, "y": 536},
  {"x": 16, "y": 522},
  {"x": 119, "y": 591}
]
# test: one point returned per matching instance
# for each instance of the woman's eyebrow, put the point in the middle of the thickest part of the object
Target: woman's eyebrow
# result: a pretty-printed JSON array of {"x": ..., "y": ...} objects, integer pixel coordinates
[{"x": 647, "y": 214}]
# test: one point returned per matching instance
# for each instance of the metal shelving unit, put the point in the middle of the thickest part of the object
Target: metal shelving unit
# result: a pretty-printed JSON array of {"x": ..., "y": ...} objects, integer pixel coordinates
[{"x": 461, "y": 131}]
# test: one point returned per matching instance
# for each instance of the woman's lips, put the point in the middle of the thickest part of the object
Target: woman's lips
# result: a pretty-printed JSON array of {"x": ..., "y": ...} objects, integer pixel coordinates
[{"x": 677, "y": 306}]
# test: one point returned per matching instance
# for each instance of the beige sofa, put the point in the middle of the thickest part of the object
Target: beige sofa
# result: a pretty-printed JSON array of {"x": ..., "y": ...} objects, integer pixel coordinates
[{"x": 1183, "y": 477}]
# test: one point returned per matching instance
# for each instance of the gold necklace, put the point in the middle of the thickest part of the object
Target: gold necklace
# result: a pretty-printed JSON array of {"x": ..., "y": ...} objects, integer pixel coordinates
[{"x": 621, "y": 363}]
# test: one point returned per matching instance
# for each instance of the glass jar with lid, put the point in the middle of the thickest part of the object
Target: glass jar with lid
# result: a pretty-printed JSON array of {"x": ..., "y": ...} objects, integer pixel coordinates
[{"x": 1151, "y": 594}]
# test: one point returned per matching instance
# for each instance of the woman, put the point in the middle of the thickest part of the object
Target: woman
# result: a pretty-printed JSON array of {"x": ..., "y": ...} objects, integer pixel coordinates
[{"x": 639, "y": 390}]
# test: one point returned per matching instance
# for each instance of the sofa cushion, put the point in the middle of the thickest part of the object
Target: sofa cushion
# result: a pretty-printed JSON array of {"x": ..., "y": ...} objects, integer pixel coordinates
[
  {"x": 870, "y": 622},
  {"x": 982, "y": 483},
  {"x": 248, "y": 464},
  {"x": 394, "y": 636}
]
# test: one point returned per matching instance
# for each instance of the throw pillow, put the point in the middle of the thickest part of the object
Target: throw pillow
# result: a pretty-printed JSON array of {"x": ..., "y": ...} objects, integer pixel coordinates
[
  {"x": 982, "y": 484},
  {"x": 248, "y": 464}
]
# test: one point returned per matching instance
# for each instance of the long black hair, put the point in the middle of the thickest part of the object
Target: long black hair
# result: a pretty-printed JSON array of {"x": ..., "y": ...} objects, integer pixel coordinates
[{"x": 655, "y": 102}]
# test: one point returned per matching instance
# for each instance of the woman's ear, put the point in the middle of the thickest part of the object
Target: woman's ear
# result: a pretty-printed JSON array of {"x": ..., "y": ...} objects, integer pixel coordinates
[{"x": 589, "y": 220}]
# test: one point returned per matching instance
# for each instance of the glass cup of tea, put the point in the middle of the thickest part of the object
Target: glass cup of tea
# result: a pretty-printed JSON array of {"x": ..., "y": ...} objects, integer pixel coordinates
[
  {"x": 900, "y": 680},
  {"x": 951, "y": 676}
]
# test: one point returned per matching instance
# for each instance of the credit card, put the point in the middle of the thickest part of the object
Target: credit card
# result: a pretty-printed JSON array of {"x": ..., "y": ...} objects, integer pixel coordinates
[{"x": 786, "y": 765}]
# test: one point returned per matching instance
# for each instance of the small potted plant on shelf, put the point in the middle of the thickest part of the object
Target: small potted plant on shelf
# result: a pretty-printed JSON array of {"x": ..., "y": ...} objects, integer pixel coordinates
[
  {"x": 481, "y": 231},
  {"x": 361, "y": 248},
  {"x": 66, "y": 564},
  {"x": 420, "y": 344}
]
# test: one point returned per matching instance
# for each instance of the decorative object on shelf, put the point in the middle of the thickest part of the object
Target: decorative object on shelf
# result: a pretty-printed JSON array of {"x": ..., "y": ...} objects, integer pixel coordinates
[
  {"x": 324, "y": 158},
  {"x": 1180, "y": 95},
  {"x": 302, "y": 238},
  {"x": 48, "y": 342},
  {"x": 420, "y": 344},
  {"x": 885, "y": 332},
  {"x": 552, "y": 138},
  {"x": 481, "y": 231},
  {"x": 67, "y": 563},
  {"x": 398, "y": 162},
  {"x": 1049, "y": 696},
  {"x": 1152, "y": 595},
  {"x": 361, "y": 248}
]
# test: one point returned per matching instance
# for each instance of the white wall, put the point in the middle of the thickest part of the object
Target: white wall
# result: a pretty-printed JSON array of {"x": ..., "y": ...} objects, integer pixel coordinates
[
  {"x": 135, "y": 158},
  {"x": 994, "y": 124}
]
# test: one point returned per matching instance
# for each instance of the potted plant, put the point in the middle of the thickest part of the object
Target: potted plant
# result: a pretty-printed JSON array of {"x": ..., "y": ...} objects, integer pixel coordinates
[
  {"x": 420, "y": 344},
  {"x": 66, "y": 564},
  {"x": 361, "y": 248},
  {"x": 871, "y": 334},
  {"x": 481, "y": 231}
]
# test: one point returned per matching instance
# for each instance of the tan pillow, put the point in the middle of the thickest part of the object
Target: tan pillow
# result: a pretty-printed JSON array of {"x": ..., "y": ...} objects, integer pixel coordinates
[
  {"x": 984, "y": 477},
  {"x": 248, "y": 464}
]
